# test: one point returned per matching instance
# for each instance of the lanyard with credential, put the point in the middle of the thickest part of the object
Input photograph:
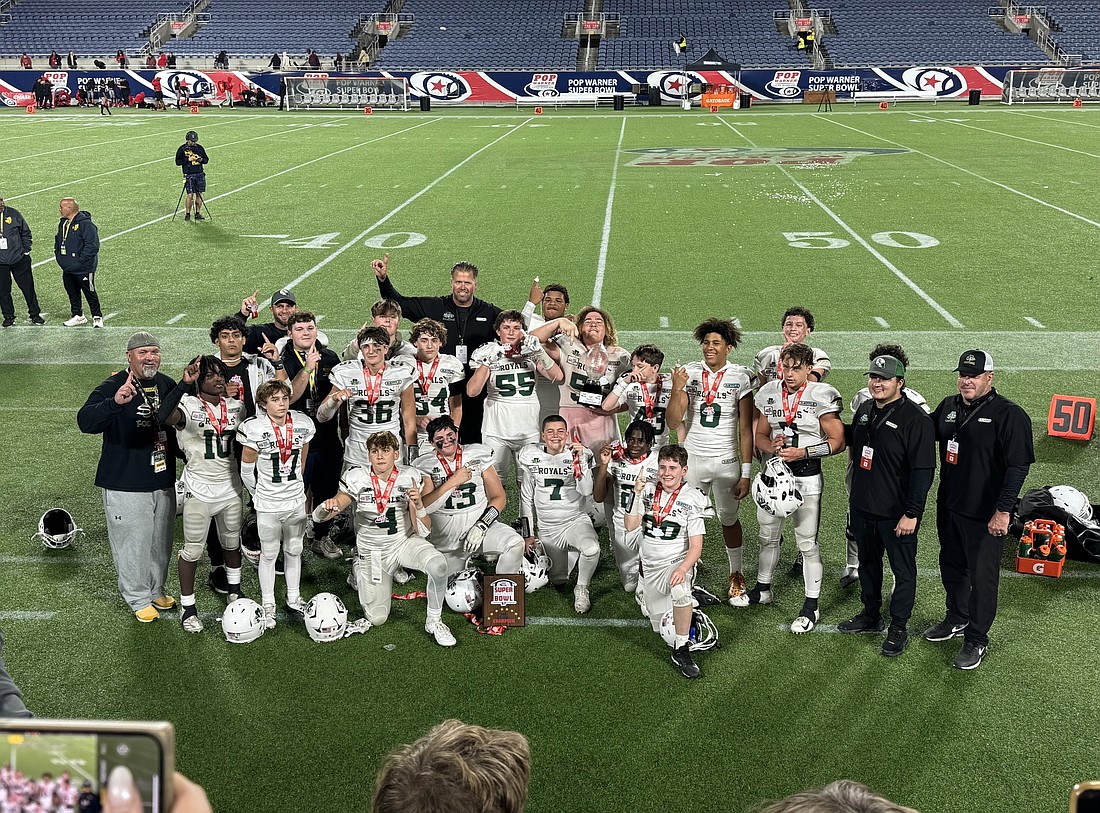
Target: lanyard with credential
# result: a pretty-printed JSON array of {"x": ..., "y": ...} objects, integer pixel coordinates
[
  {"x": 312, "y": 373},
  {"x": 873, "y": 425},
  {"x": 959, "y": 401}
]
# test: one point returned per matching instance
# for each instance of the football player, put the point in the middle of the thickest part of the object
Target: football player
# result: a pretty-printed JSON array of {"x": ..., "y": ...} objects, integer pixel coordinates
[
  {"x": 436, "y": 386},
  {"x": 510, "y": 369},
  {"x": 798, "y": 324},
  {"x": 591, "y": 362},
  {"x": 464, "y": 521},
  {"x": 670, "y": 514},
  {"x": 851, "y": 568},
  {"x": 643, "y": 393},
  {"x": 619, "y": 469},
  {"x": 554, "y": 299},
  {"x": 386, "y": 314},
  {"x": 378, "y": 395},
  {"x": 206, "y": 425},
  {"x": 390, "y": 519},
  {"x": 246, "y": 371},
  {"x": 800, "y": 423},
  {"x": 711, "y": 400},
  {"x": 276, "y": 445},
  {"x": 555, "y": 486}
]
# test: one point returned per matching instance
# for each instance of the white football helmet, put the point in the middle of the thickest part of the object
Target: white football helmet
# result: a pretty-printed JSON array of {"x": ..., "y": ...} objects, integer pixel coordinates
[
  {"x": 56, "y": 529},
  {"x": 181, "y": 495},
  {"x": 1072, "y": 501},
  {"x": 326, "y": 618},
  {"x": 464, "y": 591},
  {"x": 536, "y": 569},
  {"x": 702, "y": 636},
  {"x": 243, "y": 621},
  {"x": 775, "y": 491}
]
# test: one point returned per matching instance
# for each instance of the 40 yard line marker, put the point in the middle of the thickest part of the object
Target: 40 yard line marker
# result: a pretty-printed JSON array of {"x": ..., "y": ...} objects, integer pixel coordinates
[
  {"x": 605, "y": 239},
  {"x": 355, "y": 240},
  {"x": 936, "y": 306}
]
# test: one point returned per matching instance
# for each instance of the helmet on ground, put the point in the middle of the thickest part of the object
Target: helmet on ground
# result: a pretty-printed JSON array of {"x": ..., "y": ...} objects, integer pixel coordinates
[
  {"x": 326, "y": 618},
  {"x": 243, "y": 621},
  {"x": 1072, "y": 501},
  {"x": 775, "y": 491},
  {"x": 56, "y": 529},
  {"x": 536, "y": 569},
  {"x": 464, "y": 591},
  {"x": 702, "y": 635}
]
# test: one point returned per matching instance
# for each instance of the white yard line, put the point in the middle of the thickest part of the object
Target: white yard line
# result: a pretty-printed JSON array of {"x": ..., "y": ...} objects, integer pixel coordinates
[
  {"x": 874, "y": 252},
  {"x": 1006, "y": 187},
  {"x": 605, "y": 239},
  {"x": 1060, "y": 121},
  {"x": 355, "y": 240},
  {"x": 1019, "y": 138},
  {"x": 260, "y": 181}
]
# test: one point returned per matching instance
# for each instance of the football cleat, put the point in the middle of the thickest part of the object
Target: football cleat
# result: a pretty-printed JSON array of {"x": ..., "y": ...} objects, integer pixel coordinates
[
  {"x": 752, "y": 598},
  {"x": 639, "y": 599},
  {"x": 234, "y": 592},
  {"x": 298, "y": 606},
  {"x": 806, "y": 620},
  {"x": 402, "y": 576},
  {"x": 582, "y": 601},
  {"x": 682, "y": 659},
  {"x": 737, "y": 584},
  {"x": 218, "y": 581},
  {"x": 850, "y": 577},
  {"x": 190, "y": 620},
  {"x": 442, "y": 634},
  {"x": 269, "y": 616}
]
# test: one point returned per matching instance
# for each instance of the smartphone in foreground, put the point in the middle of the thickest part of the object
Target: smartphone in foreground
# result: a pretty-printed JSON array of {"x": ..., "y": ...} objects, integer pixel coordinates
[
  {"x": 1085, "y": 798},
  {"x": 55, "y": 762}
]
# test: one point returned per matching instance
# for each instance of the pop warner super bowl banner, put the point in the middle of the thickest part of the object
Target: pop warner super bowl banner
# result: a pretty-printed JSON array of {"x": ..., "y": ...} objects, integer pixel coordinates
[{"x": 492, "y": 87}]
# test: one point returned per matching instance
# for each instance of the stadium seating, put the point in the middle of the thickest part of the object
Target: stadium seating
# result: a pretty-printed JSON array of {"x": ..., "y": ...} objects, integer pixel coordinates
[
  {"x": 98, "y": 27},
  {"x": 1080, "y": 24},
  {"x": 871, "y": 32},
  {"x": 478, "y": 34}
]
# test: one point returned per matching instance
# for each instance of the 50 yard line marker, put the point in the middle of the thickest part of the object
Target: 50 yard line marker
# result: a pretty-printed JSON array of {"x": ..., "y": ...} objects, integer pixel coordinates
[
  {"x": 605, "y": 240},
  {"x": 936, "y": 306},
  {"x": 306, "y": 275}
]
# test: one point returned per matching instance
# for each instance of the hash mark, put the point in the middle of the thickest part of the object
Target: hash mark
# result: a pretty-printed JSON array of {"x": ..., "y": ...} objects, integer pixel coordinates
[
  {"x": 663, "y": 321},
  {"x": 1034, "y": 322},
  {"x": 176, "y": 318},
  {"x": 882, "y": 321}
]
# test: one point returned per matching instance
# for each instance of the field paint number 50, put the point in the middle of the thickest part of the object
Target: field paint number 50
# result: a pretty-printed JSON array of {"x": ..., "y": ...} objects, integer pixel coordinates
[{"x": 825, "y": 239}]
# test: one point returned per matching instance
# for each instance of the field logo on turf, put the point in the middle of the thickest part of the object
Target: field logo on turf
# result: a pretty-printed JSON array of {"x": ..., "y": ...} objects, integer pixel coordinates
[
  {"x": 785, "y": 84},
  {"x": 752, "y": 156},
  {"x": 440, "y": 85}
]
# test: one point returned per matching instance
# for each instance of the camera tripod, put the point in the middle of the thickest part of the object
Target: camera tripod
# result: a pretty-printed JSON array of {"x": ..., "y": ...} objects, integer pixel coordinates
[{"x": 202, "y": 203}]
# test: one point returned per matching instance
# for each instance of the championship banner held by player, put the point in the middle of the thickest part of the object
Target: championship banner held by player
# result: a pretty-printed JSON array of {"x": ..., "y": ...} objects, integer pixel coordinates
[{"x": 503, "y": 602}]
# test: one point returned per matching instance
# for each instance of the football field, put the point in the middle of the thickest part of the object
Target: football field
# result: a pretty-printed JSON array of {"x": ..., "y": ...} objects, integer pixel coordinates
[{"x": 941, "y": 227}]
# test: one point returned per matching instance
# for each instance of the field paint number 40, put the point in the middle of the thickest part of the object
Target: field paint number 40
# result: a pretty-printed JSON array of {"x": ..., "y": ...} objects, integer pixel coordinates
[
  {"x": 825, "y": 239},
  {"x": 389, "y": 241}
]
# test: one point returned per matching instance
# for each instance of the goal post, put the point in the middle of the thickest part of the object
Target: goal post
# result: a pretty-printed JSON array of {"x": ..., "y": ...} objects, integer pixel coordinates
[
  {"x": 319, "y": 90},
  {"x": 1051, "y": 85}
]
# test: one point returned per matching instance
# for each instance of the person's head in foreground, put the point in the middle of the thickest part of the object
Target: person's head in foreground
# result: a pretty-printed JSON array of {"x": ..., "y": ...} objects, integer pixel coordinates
[{"x": 842, "y": 796}]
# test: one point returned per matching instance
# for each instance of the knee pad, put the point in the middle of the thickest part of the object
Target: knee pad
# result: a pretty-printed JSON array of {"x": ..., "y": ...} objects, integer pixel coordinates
[
  {"x": 680, "y": 594},
  {"x": 436, "y": 568},
  {"x": 294, "y": 547},
  {"x": 192, "y": 551},
  {"x": 811, "y": 552}
]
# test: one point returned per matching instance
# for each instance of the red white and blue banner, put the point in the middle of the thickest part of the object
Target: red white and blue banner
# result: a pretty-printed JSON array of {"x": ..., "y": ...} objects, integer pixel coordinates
[{"x": 508, "y": 87}]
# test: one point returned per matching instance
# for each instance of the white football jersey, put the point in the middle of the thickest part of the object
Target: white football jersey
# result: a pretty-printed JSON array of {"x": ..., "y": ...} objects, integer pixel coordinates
[
  {"x": 766, "y": 364},
  {"x": 714, "y": 429},
  {"x": 667, "y": 543},
  {"x": 864, "y": 395},
  {"x": 211, "y": 471},
  {"x": 624, "y": 474},
  {"x": 467, "y": 496},
  {"x": 817, "y": 400},
  {"x": 278, "y": 482},
  {"x": 511, "y": 401},
  {"x": 364, "y": 417},
  {"x": 635, "y": 400},
  {"x": 550, "y": 484},
  {"x": 374, "y": 530},
  {"x": 435, "y": 401},
  {"x": 575, "y": 364}
]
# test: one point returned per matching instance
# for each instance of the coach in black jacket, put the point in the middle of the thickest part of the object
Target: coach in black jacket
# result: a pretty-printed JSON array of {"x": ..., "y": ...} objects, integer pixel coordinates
[
  {"x": 469, "y": 322},
  {"x": 76, "y": 249},
  {"x": 15, "y": 263},
  {"x": 894, "y": 450},
  {"x": 986, "y": 450}
]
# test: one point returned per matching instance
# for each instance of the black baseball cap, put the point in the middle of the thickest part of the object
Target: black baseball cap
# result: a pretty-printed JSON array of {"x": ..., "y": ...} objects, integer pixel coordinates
[
  {"x": 975, "y": 362},
  {"x": 191, "y": 136},
  {"x": 283, "y": 295},
  {"x": 886, "y": 367}
]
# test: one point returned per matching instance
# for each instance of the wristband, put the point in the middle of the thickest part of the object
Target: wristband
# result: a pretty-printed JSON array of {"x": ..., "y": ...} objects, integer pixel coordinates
[
  {"x": 746, "y": 471},
  {"x": 421, "y": 513},
  {"x": 819, "y": 450},
  {"x": 636, "y": 505},
  {"x": 278, "y": 365},
  {"x": 489, "y": 516}
]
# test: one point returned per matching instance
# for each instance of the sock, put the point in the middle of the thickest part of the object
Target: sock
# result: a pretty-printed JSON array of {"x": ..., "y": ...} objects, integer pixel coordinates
[
  {"x": 292, "y": 568},
  {"x": 769, "y": 558},
  {"x": 233, "y": 576},
  {"x": 680, "y": 641},
  {"x": 586, "y": 566},
  {"x": 810, "y": 603},
  {"x": 433, "y": 616},
  {"x": 734, "y": 555},
  {"x": 188, "y": 601},
  {"x": 762, "y": 586}
]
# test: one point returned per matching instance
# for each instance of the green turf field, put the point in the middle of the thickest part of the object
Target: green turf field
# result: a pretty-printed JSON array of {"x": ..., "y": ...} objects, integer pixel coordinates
[{"x": 979, "y": 227}]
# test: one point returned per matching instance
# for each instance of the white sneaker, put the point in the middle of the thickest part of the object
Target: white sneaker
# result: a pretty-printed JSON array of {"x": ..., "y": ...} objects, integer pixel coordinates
[
  {"x": 269, "y": 616},
  {"x": 97, "y": 321},
  {"x": 79, "y": 319},
  {"x": 442, "y": 634},
  {"x": 582, "y": 601}
]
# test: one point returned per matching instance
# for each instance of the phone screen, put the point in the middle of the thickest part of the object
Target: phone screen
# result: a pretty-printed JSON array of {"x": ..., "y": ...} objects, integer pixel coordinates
[
  {"x": 1088, "y": 801},
  {"x": 68, "y": 771}
]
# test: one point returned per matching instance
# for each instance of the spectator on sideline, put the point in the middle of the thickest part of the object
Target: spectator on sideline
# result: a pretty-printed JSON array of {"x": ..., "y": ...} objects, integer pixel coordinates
[
  {"x": 137, "y": 472},
  {"x": 275, "y": 62},
  {"x": 985, "y": 453},
  {"x": 842, "y": 796},
  {"x": 11, "y": 699},
  {"x": 25, "y": 62},
  {"x": 55, "y": 60},
  {"x": 76, "y": 249},
  {"x": 313, "y": 60},
  {"x": 456, "y": 766},
  {"x": 70, "y": 60},
  {"x": 469, "y": 322},
  {"x": 15, "y": 263}
]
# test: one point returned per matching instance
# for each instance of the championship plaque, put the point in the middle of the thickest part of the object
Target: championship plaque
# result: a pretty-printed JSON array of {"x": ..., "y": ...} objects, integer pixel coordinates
[{"x": 503, "y": 600}]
